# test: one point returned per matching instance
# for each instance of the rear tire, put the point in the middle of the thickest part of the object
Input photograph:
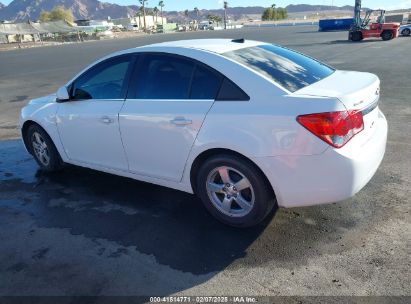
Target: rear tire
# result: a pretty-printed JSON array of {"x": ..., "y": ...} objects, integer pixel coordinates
[
  {"x": 387, "y": 35},
  {"x": 406, "y": 32},
  {"x": 43, "y": 149},
  {"x": 356, "y": 36},
  {"x": 234, "y": 191}
]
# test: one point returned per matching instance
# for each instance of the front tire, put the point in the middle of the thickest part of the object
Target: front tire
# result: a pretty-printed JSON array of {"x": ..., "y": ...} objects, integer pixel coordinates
[
  {"x": 356, "y": 36},
  {"x": 387, "y": 35},
  {"x": 406, "y": 32},
  {"x": 234, "y": 191},
  {"x": 43, "y": 149}
]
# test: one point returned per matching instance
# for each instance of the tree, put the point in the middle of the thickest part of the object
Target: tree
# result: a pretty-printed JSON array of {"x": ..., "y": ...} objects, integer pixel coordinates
[
  {"x": 161, "y": 5},
  {"x": 155, "y": 11},
  {"x": 186, "y": 13},
  {"x": 225, "y": 14},
  {"x": 57, "y": 13},
  {"x": 197, "y": 11},
  {"x": 143, "y": 9},
  {"x": 214, "y": 18},
  {"x": 273, "y": 13}
]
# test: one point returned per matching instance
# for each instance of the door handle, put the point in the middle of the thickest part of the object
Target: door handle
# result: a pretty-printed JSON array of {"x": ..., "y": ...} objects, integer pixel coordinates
[
  {"x": 181, "y": 121},
  {"x": 106, "y": 120}
]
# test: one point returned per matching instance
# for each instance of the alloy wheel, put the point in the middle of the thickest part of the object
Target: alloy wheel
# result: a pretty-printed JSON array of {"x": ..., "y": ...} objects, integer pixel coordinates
[
  {"x": 230, "y": 191},
  {"x": 40, "y": 149}
]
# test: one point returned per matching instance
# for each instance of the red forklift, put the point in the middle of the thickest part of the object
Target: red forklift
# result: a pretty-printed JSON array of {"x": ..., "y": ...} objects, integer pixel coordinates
[{"x": 363, "y": 28}]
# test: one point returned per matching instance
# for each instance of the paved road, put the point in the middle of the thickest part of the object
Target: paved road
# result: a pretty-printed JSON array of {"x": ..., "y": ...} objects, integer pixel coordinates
[{"x": 81, "y": 232}]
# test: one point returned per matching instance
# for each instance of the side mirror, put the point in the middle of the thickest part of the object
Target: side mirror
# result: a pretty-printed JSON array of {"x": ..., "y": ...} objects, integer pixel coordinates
[{"x": 62, "y": 95}]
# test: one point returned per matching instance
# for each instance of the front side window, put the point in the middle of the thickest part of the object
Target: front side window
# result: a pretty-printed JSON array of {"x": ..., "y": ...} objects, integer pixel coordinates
[
  {"x": 106, "y": 80},
  {"x": 291, "y": 70}
]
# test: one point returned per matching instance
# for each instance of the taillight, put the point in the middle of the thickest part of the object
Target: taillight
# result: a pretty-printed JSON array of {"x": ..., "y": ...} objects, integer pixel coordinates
[{"x": 335, "y": 128}]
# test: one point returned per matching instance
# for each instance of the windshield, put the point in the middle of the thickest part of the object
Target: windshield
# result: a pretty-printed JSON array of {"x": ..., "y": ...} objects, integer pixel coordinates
[{"x": 290, "y": 69}]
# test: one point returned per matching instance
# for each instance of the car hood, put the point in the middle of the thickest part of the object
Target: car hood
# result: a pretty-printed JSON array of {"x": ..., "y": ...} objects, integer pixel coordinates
[{"x": 44, "y": 100}]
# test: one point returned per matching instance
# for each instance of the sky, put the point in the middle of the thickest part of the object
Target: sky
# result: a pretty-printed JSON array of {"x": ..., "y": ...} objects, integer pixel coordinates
[{"x": 210, "y": 4}]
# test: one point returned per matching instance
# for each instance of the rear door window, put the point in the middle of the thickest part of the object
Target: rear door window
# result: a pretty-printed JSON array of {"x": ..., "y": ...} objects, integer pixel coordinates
[
  {"x": 206, "y": 83},
  {"x": 162, "y": 76}
]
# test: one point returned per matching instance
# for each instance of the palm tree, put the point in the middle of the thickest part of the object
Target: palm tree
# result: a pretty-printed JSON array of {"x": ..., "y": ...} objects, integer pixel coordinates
[
  {"x": 155, "y": 11},
  {"x": 225, "y": 14},
  {"x": 196, "y": 11},
  {"x": 143, "y": 9},
  {"x": 161, "y": 5}
]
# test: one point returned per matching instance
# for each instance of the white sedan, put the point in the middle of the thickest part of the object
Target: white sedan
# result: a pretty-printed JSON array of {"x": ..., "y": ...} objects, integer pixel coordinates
[
  {"x": 405, "y": 30},
  {"x": 247, "y": 126}
]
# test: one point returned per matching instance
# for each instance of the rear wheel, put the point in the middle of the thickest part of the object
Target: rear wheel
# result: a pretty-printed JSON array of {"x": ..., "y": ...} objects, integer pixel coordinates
[
  {"x": 356, "y": 36},
  {"x": 406, "y": 32},
  {"x": 234, "y": 191},
  {"x": 387, "y": 35},
  {"x": 43, "y": 149}
]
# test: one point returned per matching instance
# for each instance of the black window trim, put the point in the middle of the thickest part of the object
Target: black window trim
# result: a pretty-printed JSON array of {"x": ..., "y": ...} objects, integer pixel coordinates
[
  {"x": 127, "y": 77},
  {"x": 131, "y": 92}
]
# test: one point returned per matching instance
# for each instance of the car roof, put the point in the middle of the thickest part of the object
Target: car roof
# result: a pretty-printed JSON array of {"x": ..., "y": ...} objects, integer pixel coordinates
[{"x": 218, "y": 46}]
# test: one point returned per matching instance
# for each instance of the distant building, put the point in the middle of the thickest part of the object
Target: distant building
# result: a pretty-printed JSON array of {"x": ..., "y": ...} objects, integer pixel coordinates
[
  {"x": 396, "y": 18},
  {"x": 139, "y": 21}
]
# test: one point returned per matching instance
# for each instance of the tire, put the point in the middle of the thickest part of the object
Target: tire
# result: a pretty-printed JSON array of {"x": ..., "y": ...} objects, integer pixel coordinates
[
  {"x": 406, "y": 32},
  {"x": 387, "y": 35},
  {"x": 43, "y": 149},
  {"x": 246, "y": 206},
  {"x": 356, "y": 36}
]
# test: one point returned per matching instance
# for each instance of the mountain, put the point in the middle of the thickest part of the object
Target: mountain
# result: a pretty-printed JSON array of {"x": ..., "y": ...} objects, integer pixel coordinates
[
  {"x": 1, "y": 5},
  {"x": 94, "y": 9},
  {"x": 300, "y": 8}
]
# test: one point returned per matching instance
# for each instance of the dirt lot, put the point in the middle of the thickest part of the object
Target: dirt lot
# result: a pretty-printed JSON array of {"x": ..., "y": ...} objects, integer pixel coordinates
[{"x": 81, "y": 232}]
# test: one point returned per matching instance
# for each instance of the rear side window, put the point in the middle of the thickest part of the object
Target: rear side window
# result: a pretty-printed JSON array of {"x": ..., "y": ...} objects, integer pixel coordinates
[
  {"x": 230, "y": 91},
  {"x": 290, "y": 69}
]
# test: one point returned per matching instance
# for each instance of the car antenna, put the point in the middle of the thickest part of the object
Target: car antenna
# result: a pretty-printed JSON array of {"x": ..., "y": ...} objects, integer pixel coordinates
[{"x": 241, "y": 40}]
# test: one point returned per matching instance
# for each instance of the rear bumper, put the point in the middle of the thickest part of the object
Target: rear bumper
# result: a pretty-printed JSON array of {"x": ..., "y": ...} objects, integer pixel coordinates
[{"x": 332, "y": 176}]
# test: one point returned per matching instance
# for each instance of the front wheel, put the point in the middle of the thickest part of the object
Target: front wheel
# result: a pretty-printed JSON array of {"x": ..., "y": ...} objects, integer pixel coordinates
[
  {"x": 387, "y": 35},
  {"x": 43, "y": 149},
  {"x": 356, "y": 36},
  {"x": 234, "y": 191},
  {"x": 406, "y": 32}
]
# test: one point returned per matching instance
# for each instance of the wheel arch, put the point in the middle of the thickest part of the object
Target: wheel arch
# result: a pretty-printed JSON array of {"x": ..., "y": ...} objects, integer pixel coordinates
[
  {"x": 203, "y": 156},
  {"x": 24, "y": 129}
]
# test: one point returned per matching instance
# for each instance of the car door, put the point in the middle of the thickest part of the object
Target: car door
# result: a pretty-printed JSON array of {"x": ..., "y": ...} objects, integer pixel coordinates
[
  {"x": 169, "y": 97},
  {"x": 88, "y": 123}
]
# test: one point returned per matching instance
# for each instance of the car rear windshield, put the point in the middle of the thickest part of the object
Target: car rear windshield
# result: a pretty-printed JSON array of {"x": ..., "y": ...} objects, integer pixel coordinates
[{"x": 288, "y": 68}]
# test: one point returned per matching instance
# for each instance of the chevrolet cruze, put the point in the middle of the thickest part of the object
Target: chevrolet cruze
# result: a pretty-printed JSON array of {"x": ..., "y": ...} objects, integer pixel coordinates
[{"x": 247, "y": 126}]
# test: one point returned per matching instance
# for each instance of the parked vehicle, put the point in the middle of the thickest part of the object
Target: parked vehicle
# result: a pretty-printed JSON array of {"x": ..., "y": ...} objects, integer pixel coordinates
[
  {"x": 405, "y": 29},
  {"x": 364, "y": 28},
  {"x": 247, "y": 126}
]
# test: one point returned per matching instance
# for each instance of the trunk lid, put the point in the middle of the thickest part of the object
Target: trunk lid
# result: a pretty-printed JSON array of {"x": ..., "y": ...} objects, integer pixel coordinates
[{"x": 356, "y": 90}]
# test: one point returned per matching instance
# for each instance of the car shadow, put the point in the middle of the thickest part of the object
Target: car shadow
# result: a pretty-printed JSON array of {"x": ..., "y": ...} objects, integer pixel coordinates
[{"x": 169, "y": 225}]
